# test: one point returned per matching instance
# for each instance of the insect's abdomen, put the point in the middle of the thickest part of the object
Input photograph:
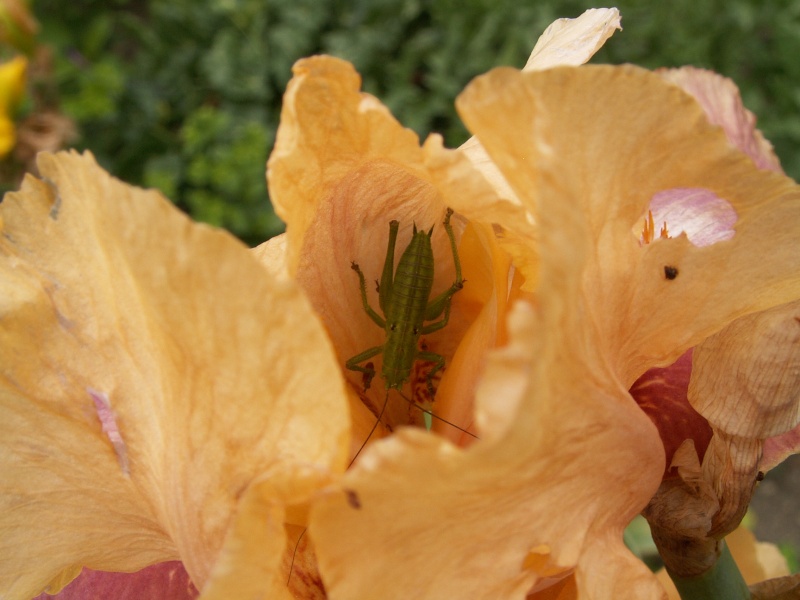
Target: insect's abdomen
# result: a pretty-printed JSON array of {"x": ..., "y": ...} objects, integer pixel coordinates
[{"x": 413, "y": 281}]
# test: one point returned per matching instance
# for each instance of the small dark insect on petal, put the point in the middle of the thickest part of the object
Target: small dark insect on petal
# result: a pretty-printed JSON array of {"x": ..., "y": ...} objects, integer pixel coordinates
[
  {"x": 353, "y": 499},
  {"x": 760, "y": 476},
  {"x": 670, "y": 272}
]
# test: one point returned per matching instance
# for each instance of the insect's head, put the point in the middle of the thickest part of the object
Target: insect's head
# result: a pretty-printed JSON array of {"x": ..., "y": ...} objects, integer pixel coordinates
[{"x": 430, "y": 231}]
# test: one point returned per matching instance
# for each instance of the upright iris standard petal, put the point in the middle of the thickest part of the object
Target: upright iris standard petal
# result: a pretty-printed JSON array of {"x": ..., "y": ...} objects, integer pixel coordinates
[
  {"x": 574, "y": 41},
  {"x": 155, "y": 384},
  {"x": 343, "y": 168}
]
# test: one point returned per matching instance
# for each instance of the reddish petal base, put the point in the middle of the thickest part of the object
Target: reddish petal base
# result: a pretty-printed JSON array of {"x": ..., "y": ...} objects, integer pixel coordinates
[
  {"x": 165, "y": 581},
  {"x": 662, "y": 395}
]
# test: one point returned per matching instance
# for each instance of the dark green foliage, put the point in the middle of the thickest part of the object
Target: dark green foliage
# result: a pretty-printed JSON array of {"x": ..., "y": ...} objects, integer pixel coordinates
[{"x": 185, "y": 95}]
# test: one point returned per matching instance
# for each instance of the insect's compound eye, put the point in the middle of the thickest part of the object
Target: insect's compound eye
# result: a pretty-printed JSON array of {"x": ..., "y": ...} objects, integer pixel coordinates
[
  {"x": 392, "y": 326},
  {"x": 415, "y": 331},
  {"x": 670, "y": 272}
]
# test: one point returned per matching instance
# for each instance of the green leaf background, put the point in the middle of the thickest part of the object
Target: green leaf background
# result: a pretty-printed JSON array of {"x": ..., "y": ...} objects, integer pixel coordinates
[{"x": 184, "y": 95}]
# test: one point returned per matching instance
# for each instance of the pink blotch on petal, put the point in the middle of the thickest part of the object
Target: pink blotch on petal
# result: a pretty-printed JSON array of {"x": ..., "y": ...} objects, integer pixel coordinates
[
  {"x": 779, "y": 448},
  {"x": 108, "y": 421},
  {"x": 703, "y": 216},
  {"x": 723, "y": 106},
  {"x": 164, "y": 581}
]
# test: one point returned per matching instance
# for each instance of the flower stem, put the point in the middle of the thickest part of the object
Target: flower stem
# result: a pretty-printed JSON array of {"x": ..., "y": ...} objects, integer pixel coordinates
[{"x": 723, "y": 580}]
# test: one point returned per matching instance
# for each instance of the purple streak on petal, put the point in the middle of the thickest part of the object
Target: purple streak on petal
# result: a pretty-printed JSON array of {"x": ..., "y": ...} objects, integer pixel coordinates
[
  {"x": 108, "y": 421},
  {"x": 702, "y": 215},
  {"x": 164, "y": 581}
]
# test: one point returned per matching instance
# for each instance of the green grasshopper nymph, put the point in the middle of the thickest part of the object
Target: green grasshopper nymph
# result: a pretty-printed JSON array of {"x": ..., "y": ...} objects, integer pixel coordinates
[{"x": 404, "y": 298}]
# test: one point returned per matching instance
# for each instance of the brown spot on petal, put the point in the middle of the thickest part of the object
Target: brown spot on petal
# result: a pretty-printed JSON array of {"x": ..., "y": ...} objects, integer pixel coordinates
[{"x": 353, "y": 499}]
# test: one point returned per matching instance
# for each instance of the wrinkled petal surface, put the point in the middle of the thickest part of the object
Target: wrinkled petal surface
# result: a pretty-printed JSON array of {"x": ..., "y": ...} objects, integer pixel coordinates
[{"x": 150, "y": 372}]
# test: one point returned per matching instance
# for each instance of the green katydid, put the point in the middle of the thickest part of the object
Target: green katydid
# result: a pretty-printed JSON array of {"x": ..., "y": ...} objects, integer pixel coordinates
[{"x": 404, "y": 298}]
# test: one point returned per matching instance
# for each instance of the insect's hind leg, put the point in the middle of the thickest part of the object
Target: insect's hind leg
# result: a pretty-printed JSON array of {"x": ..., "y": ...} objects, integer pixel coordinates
[
  {"x": 441, "y": 304},
  {"x": 369, "y": 370}
]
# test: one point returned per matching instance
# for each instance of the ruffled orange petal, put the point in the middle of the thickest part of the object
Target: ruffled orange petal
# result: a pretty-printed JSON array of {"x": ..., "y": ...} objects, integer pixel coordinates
[
  {"x": 153, "y": 376},
  {"x": 356, "y": 153},
  {"x": 608, "y": 139}
]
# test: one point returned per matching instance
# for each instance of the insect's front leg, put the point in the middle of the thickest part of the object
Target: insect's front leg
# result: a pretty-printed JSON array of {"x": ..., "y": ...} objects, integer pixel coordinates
[
  {"x": 387, "y": 277},
  {"x": 369, "y": 310},
  {"x": 369, "y": 370}
]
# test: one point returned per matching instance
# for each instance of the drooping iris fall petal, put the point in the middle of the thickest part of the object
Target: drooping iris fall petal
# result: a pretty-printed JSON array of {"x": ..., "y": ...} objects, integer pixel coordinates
[{"x": 161, "y": 393}]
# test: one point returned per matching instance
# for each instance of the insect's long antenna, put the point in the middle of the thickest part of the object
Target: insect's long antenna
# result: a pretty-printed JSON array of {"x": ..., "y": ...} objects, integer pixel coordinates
[
  {"x": 371, "y": 431},
  {"x": 435, "y": 416},
  {"x": 296, "y": 546}
]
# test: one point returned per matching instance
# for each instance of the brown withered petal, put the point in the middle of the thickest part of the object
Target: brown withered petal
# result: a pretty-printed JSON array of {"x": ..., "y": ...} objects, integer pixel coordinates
[
  {"x": 160, "y": 392},
  {"x": 746, "y": 378},
  {"x": 757, "y": 561},
  {"x": 780, "y": 588},
  {"x": 746, "y": 382},
  {"x": 680, "y": 516}
]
